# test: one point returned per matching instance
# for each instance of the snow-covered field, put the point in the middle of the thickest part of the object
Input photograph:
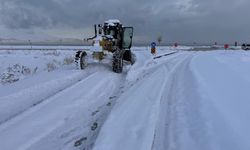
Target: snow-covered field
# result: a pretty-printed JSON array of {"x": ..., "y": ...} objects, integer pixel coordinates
[{"x": 187, "y": 100}]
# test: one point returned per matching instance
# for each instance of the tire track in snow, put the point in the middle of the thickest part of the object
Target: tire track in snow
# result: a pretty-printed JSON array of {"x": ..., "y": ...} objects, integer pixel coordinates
[
  {"x": 152, "y": 65},
  {"x": 56, "y": 113},
  {"x": 181, "y": 122},
  {"x": 168, "y": 100},
  {"x": 15, "y": 104},
  {"x": 121, "y": 126},
  {"x": 136, "y": 129}
]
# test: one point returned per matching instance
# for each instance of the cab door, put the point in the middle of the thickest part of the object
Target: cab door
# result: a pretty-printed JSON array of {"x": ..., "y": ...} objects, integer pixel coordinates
[{"x": 127, "y": 37}]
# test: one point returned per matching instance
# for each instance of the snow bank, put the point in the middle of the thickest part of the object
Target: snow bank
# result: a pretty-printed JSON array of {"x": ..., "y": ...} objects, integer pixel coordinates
[
  {"x": 145, "y": 61},
  {"x": 17, "y": 65}
]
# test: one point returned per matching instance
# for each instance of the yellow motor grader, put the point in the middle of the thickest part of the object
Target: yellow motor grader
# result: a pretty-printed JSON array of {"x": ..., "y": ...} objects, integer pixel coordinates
[{"x": 112, "y": 42}]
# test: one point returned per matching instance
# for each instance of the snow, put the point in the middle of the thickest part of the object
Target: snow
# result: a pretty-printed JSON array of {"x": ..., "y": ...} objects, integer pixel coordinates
[
  {"x": 227, "y": 91},
  {"x": 97, "y": 47},
  {"x": 127, "y": 123},
  {"x": 186, "y": 100},
  {"x": 136, "y": 128},
  {"x": 57, "y": 110},
  {"x": 37, "y": 47},
  {"x": 112, "y": 22},
  {"x": 26, "y": 98},
  {"x": 204, "y": 105}
]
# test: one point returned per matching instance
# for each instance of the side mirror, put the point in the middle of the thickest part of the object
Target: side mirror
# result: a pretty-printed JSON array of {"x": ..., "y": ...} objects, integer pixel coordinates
[{"x": 127, "y": 37}]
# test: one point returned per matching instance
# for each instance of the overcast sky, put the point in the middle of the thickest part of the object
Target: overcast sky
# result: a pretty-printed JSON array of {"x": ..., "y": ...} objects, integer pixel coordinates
[{"x": 188, "y": 21}]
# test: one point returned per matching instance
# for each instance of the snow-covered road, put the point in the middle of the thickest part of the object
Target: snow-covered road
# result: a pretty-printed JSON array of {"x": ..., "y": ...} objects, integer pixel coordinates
[
  {"x": 194, "y": 101},
  {"x": 39, "y": 121},
  {"x": 141, "y": 126},
  {"x": 187, "y": 100}
]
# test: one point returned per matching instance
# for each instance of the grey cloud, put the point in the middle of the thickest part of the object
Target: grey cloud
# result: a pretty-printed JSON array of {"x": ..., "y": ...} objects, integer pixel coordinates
[
  {"x": 175, "y": 20},
  {"x": 78, "y": 12},
  {"x": 22, "y": 16}
]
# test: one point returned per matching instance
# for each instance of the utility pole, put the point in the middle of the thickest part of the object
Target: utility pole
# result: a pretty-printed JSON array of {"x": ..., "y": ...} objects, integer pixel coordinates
[
  {"x": 159, "y": 39},
  {"x": 30, "y": 44}
]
